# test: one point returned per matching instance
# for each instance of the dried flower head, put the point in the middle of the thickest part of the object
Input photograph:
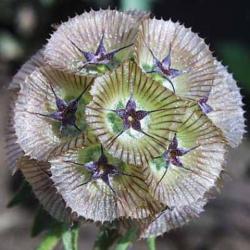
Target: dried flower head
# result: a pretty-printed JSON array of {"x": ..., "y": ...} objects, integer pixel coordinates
[{"x": 123, "y": 117}]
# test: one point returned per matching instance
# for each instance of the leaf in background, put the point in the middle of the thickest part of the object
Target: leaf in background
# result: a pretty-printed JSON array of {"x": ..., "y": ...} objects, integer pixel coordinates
[
  {"x": 23, "y": 193},
  {"x": 237, "y": 57},
  {"x": 70, "y": 238},
  {"x": 51, "y": 239},
  {"x": 42, "y": 221},
  {"x": 105, "y": 238},
  {"x": 127, "y": 240},
  {"x": 10, "y": 48},
  {"x": 138, "y": 5},
  {"x": 151, "y": 243}
]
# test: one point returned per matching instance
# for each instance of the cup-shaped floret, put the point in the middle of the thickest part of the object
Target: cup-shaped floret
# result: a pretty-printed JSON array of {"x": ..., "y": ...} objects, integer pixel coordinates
[
  {"x": 177, "y": 57},
  {"x": 191, "y": 164},
  {"x": 101, "y": 188},
  {"x": 93, "y": 42},
  {"x": 37, "y": 173},
  {"x": 49, "y": 112},
  {"x": 226, "y": 104},
  {"x": 132, "y": 115}
]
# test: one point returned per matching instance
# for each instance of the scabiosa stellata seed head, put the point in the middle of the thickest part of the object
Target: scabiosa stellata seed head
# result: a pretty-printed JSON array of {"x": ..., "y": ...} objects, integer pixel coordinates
[{"x": 122, "y": 117}]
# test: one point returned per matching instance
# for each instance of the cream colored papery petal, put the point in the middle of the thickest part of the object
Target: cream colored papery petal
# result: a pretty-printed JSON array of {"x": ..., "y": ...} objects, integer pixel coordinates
[
  {"x": 226, "y": 101},
  {"x": 86, "y": 31},
  {"x": 116, "y": 87},
  {"x": 35, "y": 133},
  {"x": 37, "y": 174},
  {"x": 34, "y": 62},
  {"x": 189, "y": 54},
  {"x": 95, "y": 200},
  {"x": 181, "y": 187},
  {"x": 12, "y": 148},
  {"x": 172, "y": 219}
]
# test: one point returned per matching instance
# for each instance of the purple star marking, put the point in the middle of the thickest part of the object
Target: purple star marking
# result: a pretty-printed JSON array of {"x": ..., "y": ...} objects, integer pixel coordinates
[
  {"x": 132, "y": 119},
  {"x": 101, "y": 169},
  {"x": 66, "y": 111},
  {"x": 164, "y": 67},
  {"x": 204, "y": 106},
  {"x": 101, "y": 56},
  {"x": 173, "y": 154}
]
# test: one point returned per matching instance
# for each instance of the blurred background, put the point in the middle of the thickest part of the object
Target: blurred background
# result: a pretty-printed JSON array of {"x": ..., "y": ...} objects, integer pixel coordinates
[{"x": 24, "y": 27}]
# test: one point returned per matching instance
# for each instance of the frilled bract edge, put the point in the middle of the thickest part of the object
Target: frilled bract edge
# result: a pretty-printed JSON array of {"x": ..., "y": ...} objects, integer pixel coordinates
[
  {"x": 94, "y": 42},
  {"x": 123, "y": 119}
]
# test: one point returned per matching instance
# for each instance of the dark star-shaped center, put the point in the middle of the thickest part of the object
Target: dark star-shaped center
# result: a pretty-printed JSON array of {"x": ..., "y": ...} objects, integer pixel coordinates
[
  {"x": 65, "y": 111},
  {"x": 130, "y": 116},
  {"x": 173, "y": 156},
  {"x": 163, "y": 67},
  {"x": 101, "y": 56},
  {"x": 102, "y": 169},
  {"x": 174, "y": 152}
]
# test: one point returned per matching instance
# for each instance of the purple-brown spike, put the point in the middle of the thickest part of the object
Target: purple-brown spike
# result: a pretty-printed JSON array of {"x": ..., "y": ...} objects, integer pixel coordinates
[
  {"x": 60, "y": 103},
  {"x": 131, "y": 119},
  {"x": 88, "y": 55},
  {"x": 174, "y": 152},
  {"x": 204, "y": 106},
  {"x": 101, "y": 49},
  {"x": 101, "y": 169},
  {"x": 172, "y": 156},
  {"x": 66, "y": 112},
  {"x": 164, "y": 67}
]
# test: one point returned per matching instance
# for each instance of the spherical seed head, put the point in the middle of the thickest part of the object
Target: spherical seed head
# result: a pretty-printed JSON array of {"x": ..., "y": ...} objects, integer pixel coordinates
[{"x": 147, "y": 143}]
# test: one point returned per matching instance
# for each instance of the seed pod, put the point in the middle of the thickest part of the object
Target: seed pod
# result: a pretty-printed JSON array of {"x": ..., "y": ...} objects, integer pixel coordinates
[
  {"x": 86, "y": 44},
  {"x": 177, "y": 57},
  {"x": 101, "y": 188},
  {"x": 192, "y": 166},
  {"x": 38, "y": 134}
]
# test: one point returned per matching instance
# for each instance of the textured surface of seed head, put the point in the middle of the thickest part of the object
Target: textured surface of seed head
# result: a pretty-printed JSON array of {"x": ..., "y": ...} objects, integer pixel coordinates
[
  {"x": 111, "y": 92},
  {"x": 85, "y": 32},
  {"x": 226, "y": 102},
  {"x": 94, "y": 199},
  {"x": 201, "y": 167},
  {"x": 37, "y": 174}
]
